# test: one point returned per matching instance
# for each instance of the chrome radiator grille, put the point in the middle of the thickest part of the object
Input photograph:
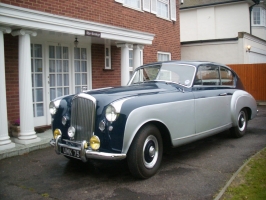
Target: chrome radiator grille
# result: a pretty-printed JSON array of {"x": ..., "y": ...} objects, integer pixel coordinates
[{"x": 83, "y": 118}]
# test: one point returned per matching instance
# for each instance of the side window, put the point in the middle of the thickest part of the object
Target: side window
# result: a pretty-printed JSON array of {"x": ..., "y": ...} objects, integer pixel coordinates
[
  {"x": 207, "y": 75},
  {"x": 227, "y": 77}
]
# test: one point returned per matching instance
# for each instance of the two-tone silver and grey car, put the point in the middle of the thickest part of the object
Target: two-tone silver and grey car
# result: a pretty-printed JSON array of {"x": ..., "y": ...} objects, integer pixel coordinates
[{"x": 165, "y": 105}]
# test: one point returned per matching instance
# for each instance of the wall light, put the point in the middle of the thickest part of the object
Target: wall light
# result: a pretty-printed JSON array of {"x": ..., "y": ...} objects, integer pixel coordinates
[
  {"x": 76, "y": 42},
  {"x": 248, "y": 48}
]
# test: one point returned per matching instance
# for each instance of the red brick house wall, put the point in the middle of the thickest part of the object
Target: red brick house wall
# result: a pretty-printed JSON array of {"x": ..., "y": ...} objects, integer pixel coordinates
[{"x": 12, "y": 79}]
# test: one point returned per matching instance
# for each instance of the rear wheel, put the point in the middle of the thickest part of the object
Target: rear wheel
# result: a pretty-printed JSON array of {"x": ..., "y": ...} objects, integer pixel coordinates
[
  {"x": 145, "y": 154},
  {"x": 242, "y": 122}
]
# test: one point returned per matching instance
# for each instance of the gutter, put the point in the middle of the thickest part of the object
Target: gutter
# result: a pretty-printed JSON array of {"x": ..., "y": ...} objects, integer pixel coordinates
[{"x": 208, "y": 41}]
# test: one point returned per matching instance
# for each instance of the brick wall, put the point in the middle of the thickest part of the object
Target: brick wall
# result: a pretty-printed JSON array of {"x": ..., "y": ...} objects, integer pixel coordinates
[
  {"x": 105, "y": 78},
  {"x": 12, "y": 79}
]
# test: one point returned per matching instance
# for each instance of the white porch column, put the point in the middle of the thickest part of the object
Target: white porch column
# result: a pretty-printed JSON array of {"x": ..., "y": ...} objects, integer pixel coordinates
[
  {"x": 5, "y": 142},
  {"x": 124, "y": 62},
  {"x": 136, "y": 55},
  {"x": 27, "y": 133}
]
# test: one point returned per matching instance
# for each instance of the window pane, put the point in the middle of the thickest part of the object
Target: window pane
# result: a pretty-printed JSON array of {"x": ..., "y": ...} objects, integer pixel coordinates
[
  {"x": 59, "y": 66},
  {"x": 78, "y": 89},
  {"x": 58, "y": 52},
  {"x": 84, "y": 79},
  {"x": 83, "y": 66},
  {"x": 65, "y": 52},
  {"x": 83, "y": 54},
  {"x": 133, "y": 3},
  {"x": 38, "y": 65},
  {"x": 66, "y": 91},
  {"x": 77, "y": 66},
  {"x": 226, "y": 76},
  {"x": 38, "y": 50},
  {"x": 77, "y": 79},
  {"x": 209, "y": 75},
  {"x": 32, "y": 80},
  {"x": 38, "y": 80},
  {"x": 52, "y": 80},
  {"x": 52, "y": 93},
  {"x": 31, "y": 50},
  {"x": 39, "y": 107},
  {"x": 106, "y": 51},
  {"x": 39, "y": 95},
  {"x": 59, "y": 92},
  {"x": 65, "y": 66},
  {"x": 76, "y": 53},
  {"x": 66, "y": 80},
  {"x": 51, "y": 66},
  {"x": 59, "y": 80},
  {"x": 162, "y": 8},
  {"x": 51, "y": 52}
]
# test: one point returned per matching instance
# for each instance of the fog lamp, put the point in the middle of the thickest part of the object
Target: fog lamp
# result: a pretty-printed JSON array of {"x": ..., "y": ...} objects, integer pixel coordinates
[
  {"x": 95, "y": 142},
  {"x": 57, "y": 132}
]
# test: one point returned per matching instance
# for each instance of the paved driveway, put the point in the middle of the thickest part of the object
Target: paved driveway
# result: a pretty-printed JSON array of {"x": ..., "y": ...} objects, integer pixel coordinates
[{"x": 195, "y": 171}]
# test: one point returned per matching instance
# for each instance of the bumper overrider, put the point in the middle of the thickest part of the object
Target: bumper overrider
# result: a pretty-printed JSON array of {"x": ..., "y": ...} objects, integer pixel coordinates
[{"x": 83, "y": 152}]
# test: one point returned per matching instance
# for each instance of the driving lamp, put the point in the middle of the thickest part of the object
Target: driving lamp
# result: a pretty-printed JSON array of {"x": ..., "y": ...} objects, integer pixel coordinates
[
  {"x": 94, "y": 143},
  {"x": 57, "y": 132}
]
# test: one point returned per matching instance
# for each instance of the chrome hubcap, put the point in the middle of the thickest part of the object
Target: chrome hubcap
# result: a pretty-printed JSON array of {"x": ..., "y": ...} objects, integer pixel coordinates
[
  {"x": 242, "y": 121},
  {"x": 150, "y": 151}
]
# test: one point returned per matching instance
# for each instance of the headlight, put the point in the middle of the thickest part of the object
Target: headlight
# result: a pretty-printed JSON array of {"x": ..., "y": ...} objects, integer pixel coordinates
[
  {"x": 71, "y": 132},
  {"x": 111, "y": 113},
  {"x": 53, "y": 106}
]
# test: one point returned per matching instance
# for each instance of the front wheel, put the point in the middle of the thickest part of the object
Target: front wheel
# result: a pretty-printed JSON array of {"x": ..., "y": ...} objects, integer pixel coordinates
[
  {"x": 145, "y": 153},
  {"x": 242, "y": 122}
]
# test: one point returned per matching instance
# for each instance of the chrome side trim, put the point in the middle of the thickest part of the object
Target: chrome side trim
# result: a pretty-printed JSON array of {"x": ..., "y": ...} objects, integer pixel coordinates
[{"x": 86, "y": 154}]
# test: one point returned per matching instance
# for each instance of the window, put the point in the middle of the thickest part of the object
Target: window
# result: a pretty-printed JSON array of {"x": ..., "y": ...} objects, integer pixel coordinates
[
  {"x": 132, "y": 3},
  {"x": 163, "y": 56},
  {"x": 107, "y": 57},
  {"x": 58, "y": 71},
  {"x": 37, "y": 80},
  {"x": 161, "y": 8},
  {"x": 130, "y": 52},
  {"x": 259, "y": 16},
  {"x": 207, "y": 75},
  {"x": 80, "y": 63},
  {"x": 227, "y": 77}
]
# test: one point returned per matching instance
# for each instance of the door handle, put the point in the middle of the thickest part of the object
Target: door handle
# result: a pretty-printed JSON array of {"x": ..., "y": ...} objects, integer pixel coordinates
[{"x": 223, "y": 94}]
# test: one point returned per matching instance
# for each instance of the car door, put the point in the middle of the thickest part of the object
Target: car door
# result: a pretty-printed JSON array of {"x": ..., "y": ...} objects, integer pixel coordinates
[{"x": 212, "y": 101}]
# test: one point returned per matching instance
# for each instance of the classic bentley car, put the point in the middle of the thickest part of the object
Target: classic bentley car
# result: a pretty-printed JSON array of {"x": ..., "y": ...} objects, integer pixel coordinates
[{"x": 164, "y": 105}]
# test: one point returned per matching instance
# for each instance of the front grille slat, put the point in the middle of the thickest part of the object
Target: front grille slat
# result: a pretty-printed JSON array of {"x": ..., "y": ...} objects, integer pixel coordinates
[{"x": 83, "y": 118}]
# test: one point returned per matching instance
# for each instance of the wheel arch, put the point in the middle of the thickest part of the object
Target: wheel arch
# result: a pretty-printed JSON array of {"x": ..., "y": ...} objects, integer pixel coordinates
[
  {"x": 164, "y": 132},
  {"x": 242, "y": 100}
]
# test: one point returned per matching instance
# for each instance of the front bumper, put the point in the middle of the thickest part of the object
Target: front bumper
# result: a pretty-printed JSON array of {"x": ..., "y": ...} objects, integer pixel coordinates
[{"x": 86, "y": 154}]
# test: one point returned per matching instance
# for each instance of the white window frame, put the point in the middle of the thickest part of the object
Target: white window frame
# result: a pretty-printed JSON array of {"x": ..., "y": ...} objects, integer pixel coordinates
[
  {"x": 152, "y": 7},
  {"x": 107, "y": 57},
  {"x": 163, "y": 53},
  {"x": 165, "y": 2},
  {"x": 262, "y": 14}
]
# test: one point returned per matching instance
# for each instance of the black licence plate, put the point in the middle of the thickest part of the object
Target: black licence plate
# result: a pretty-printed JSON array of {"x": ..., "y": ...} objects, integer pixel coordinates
[{"x": 70, "y": 152}]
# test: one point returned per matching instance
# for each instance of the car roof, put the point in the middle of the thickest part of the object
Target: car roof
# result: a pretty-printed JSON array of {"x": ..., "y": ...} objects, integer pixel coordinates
[{"x": 194, "y": 63}]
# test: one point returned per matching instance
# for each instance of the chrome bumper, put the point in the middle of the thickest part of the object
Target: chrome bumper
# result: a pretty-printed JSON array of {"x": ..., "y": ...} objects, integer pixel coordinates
[{"x": 86, "y": 154}]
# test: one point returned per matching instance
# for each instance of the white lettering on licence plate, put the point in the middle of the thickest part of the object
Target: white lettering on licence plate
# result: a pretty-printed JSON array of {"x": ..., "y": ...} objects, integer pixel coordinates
[{"x": 71, "y": 152}]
